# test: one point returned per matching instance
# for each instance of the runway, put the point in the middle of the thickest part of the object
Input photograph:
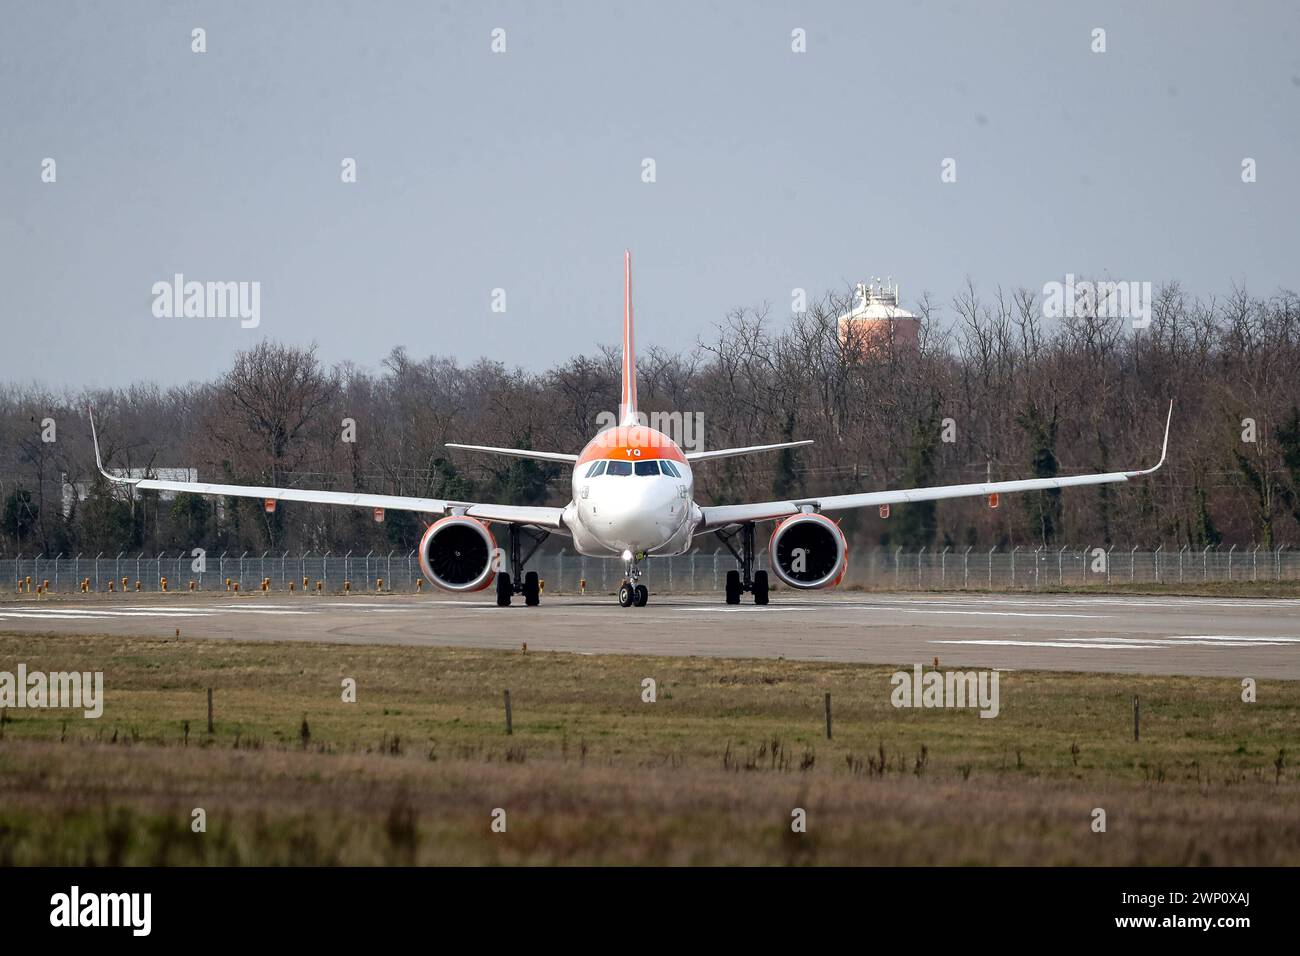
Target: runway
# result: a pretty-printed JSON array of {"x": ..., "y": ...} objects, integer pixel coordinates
[{"x": 1121, "y": 634}]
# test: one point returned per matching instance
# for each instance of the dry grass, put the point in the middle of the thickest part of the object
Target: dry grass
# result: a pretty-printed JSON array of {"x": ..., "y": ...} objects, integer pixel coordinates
[{"x": 708, "y": 774}]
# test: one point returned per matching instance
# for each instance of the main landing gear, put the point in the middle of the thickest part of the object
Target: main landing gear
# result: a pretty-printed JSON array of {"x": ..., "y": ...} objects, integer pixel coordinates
[
  {"x": 745, "y": 579},
  {"x": 525, "y": 583},
  {"x": 632, "y": 594}
]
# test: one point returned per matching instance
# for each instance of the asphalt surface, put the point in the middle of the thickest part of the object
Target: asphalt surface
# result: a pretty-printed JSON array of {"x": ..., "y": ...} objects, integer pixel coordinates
[{"x": 1225, "y": 637}]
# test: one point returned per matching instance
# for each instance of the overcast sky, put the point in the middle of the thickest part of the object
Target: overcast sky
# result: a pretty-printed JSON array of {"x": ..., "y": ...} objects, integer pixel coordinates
[{"x": 523, "y": 170}]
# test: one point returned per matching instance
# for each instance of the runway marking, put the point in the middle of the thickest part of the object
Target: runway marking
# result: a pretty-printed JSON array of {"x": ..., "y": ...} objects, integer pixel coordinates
[
  {"x": 101, "y": 614},
  {"x": 91, "y": 615},
  {"x": 263, "y": 610},
  {"x": 1238, "y": 637},
  {"x": 1131, "y": 643}
]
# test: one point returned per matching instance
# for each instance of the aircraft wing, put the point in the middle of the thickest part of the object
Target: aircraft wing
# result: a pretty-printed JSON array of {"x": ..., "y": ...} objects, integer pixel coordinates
[
  {"x": 519, "y": 452},
  {"x": 542, "y": 517},
  {"x": 723, "y": 515},
  {"x": 748, "y": 450}
]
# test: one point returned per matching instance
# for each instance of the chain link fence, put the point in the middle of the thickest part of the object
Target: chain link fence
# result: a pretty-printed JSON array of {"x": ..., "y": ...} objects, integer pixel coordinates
[{"x": 700, "y": 571}]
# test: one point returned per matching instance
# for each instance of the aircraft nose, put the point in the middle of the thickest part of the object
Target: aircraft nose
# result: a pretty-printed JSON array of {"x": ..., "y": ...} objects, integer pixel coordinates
[{"x": 640, "y": 515}]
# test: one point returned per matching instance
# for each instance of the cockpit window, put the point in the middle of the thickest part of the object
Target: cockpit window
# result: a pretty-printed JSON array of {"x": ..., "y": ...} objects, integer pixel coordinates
[
  {"x": 646, "y": 468},
  {"x": 620, "y": 468},
  {"x": 669, "y": 468},
  {"x": 597, "y": 468}
]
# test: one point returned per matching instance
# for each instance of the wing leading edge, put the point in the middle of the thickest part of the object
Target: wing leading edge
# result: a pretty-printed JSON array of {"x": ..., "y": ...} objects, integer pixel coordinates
[
  {"x": 518, "y": 514},
  {"x": 723, "y": 515},
  {"x": 747, "y": 450}
]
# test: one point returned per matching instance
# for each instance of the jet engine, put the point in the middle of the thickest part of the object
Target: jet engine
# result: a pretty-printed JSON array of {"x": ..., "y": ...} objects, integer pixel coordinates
[
  {"x": 808, "y": 551},
  {"x": 459, "y": 554}
]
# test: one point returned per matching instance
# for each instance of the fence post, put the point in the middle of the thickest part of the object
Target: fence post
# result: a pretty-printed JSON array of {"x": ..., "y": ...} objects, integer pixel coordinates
[
  {"x": 828, "y": 715},
  {"x": 510, "y": 727}
]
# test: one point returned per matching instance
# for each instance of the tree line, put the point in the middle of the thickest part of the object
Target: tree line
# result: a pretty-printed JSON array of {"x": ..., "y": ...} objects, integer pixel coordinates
[{"x": 991, "y": 390}]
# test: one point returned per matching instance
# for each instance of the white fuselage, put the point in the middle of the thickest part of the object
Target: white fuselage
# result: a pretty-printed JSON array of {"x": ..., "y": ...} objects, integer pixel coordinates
[{"x": 633, "y": 498}]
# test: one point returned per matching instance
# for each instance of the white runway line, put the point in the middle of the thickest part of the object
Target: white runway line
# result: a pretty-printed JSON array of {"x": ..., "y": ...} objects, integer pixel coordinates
[
  {"x": 1134, "y": 643},
  {"x": 261, "y": 610},
  {"x": 1237, "y": 637},
  {"x": 90, "y": 614},
  {"x": 1084, "y": 645}
]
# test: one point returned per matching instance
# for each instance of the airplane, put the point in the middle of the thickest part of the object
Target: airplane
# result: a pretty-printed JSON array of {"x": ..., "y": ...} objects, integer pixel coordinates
[{"x": 633, "y": 498}]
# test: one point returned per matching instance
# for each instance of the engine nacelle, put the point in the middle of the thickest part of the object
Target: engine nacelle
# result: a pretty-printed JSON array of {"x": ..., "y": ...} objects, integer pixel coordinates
[
  {"x": 808, "y": 551},
  {"x": 459, "y": 554}
]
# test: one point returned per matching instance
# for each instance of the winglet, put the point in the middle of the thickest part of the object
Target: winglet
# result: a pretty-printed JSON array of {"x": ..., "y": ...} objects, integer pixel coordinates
[
  {"x": 1164, "y": 449},
  {"x": 99, "y": 461}
]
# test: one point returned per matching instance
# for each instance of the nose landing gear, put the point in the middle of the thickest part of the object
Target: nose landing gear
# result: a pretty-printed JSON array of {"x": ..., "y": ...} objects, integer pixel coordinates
[{"x": 632, "y": 594}]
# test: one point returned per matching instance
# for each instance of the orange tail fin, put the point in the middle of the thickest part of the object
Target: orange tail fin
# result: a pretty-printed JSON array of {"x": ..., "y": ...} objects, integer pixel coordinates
[{"x": 627, "y": 401}]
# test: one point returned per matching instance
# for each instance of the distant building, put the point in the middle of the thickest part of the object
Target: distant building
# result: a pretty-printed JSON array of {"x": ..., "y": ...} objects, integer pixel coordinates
[
  {"x": 79, "y": 491},
  {"x": 876, "y": 320}
]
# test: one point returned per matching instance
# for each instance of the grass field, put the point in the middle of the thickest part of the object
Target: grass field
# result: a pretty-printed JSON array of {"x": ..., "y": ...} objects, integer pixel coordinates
[{"x": 709, "y": 773}]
